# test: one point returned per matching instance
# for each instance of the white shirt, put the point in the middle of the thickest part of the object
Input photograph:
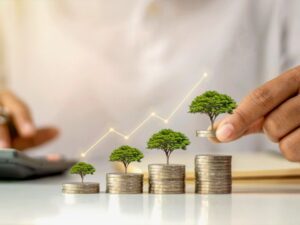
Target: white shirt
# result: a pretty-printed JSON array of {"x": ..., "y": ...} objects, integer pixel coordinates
[{"x": 87, "y": 66}]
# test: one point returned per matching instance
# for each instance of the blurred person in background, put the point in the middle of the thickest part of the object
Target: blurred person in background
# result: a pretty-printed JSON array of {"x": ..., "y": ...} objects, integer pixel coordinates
[{"x": 85, "y": 66}]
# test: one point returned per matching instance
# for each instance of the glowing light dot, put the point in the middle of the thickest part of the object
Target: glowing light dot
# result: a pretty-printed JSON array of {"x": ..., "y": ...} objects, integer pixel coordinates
[
  {"x": 166, "y": 121},
  {"x": 111, "y": 129},
  {"x": 153, "y": 114},
  {"x": 126, "y": 137},
  {"x": 82, "y": 155},
  {"x": 205, "y": 75}
]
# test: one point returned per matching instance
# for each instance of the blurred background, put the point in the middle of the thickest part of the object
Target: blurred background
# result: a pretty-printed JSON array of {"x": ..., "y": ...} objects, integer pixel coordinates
[{"x": 88, "y": 66}]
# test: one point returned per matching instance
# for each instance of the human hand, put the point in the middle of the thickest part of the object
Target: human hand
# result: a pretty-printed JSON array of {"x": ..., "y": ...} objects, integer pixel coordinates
[
  {"x": 274, "y": 109},
  {"x": 27, "y": 134}
]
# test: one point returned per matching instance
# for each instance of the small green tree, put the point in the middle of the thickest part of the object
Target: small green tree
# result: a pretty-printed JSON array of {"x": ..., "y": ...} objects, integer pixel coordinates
[
  {"x": 212, "y": 104},
  {"x": 168, "y": 141},
  {"x": 82, "y": 169},
  {"x": 126, "y": 155}
]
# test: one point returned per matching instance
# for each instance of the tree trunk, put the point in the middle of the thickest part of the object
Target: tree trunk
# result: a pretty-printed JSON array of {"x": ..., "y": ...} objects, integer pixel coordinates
[
  {"x": 81, "y": 175},
  {"x": 126, "y": 168},
  {"x": 168, "y": 157},
  {"x": 212, "y": 124}
]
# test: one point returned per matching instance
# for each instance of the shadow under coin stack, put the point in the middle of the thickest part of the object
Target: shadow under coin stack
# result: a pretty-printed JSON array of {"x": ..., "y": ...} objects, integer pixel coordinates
[
  {"x": 166, "y": 179},
  {"x": 213, "y": 174},
  {"x": 124, "y": 183}
]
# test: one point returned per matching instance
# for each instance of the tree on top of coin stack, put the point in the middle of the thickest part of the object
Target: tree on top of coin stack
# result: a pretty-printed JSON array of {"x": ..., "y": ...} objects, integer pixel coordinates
[
  {"x": 212, "y": 104},
  {"x": 168, "y": 141},
  {"x": 126, "y": 155},
  {"x": 82, "y": 169}
]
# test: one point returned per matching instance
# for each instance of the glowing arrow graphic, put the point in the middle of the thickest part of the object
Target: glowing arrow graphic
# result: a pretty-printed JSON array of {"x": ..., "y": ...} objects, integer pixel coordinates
[{"x": 139, "y": 126}]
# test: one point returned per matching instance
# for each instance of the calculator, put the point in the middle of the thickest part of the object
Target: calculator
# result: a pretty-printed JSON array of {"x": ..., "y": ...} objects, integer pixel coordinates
[{"x": 15, "y": 165}]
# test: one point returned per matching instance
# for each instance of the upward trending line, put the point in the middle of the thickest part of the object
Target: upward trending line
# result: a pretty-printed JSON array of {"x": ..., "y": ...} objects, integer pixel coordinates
[{"x": 152, "y": 115}]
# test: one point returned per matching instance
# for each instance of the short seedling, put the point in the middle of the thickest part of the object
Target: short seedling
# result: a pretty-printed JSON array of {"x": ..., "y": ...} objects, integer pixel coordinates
[
  {"x": 82, "y": 169},
  {"x": 212, "y": 104},
  {"x": 126, "y": 155},
  {"x": 168, "y": 141}
]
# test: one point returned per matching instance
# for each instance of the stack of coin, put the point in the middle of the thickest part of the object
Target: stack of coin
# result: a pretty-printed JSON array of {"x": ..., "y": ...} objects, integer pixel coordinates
[
  {"x": 124, "y": 183},
  {"x": 166, "y": 179},
  {"x": 213, "y": 174},
  {"x": 206, "y": 133},
  {"x": 81, "y": 188}
]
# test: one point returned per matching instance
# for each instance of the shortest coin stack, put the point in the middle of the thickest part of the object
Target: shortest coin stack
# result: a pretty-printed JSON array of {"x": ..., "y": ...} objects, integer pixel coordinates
[
  {"x": 124, "y": 183},
  {"x": 81, "y": 188},
  {"x": 213, "y": 174},
  {"x": 166, "y": 179}
]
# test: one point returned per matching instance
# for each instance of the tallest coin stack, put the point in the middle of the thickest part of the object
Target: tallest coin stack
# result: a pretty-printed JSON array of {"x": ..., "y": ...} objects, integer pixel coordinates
[{"x": 213, "y": 174}]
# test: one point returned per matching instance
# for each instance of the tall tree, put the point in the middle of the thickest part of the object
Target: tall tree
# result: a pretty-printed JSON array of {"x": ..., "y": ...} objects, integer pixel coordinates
[{"x": 212, "y": 104}]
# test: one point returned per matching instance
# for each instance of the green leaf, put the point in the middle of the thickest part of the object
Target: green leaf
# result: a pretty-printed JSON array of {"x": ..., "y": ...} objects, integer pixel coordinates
[
  {"x": 126, "y": 155},
  {"x": 82, "y": 168},
  {"x": 212, "y": 104},
  {"x": 168, "y": 140}
]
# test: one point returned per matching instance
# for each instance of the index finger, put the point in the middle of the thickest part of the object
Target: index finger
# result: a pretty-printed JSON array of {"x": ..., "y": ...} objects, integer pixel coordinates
[{"x": 258, "y": 104}]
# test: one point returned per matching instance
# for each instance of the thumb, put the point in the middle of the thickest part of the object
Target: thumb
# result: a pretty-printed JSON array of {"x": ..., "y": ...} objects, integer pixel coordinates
[{"x": 226, "y": 131}]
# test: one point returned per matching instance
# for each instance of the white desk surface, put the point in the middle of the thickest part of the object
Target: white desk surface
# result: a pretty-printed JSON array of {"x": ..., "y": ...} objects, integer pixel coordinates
[{"x": 41, "y": 202}]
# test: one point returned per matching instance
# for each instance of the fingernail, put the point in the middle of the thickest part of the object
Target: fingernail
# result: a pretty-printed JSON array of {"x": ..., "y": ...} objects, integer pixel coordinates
[
  {"x": 28, "y": 129},
  {"x": 3, "y": 144},
  {"x": 224, "y": 132}
]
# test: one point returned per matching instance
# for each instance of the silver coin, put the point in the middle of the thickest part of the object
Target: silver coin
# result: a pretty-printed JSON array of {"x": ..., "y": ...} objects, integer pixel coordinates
[
  {"x": 214, "y": 192},
  {"x": 220, "y": 184},
  {"x": 205, "y": 133},
  {"x": 124, "y": 181},
  {"x": 123, "y": 186},
  {"x": 166, "y": 181},
  {"x": 219, "y": 156},
  {"x": 167, "y": 186},
  {"x": 161, "y": 165},
  {"x": 213, "y": 181},
  {"x": 124, "y": 189},
  {"x": 166, "y": 192},
  {"x": 174, "y": 174},
  {"x": 213, "y": 175},
  {"x": 213, "y": 166},
  {"x": 213, "y": 188},
  {"x": 125, "y": 175},
  {"x": 212, "y": 171},
  {"x": 166, "y": 177},
  {"x": 212, "y": 161},
  {"x": 163, "y": 173}
]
